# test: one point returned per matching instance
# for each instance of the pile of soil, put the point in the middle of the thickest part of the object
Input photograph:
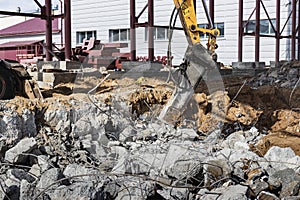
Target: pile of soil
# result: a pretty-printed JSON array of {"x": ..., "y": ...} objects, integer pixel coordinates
[{"x": 268, "y": 107}]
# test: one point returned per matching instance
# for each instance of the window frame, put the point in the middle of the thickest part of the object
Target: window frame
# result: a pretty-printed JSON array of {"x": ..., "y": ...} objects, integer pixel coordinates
[
  {"x": 156, "y": 32},
  {"x": 217, "y": 24},
  {"x": 253, "y": 22},
  {"x": 117, "y": 35},
  {"x": 80, "y": 35}
]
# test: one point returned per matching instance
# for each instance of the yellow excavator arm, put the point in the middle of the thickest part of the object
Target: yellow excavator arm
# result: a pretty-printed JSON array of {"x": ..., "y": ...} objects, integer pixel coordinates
[
  {"x": 198, "y": 61},
  {"x": 189, "y": 23}
]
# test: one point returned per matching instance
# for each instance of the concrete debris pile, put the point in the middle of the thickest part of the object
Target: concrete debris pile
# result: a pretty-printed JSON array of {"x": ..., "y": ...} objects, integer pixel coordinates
[
  {"x": 287, "y": 76},
  {"x": 70, "y": 149}
]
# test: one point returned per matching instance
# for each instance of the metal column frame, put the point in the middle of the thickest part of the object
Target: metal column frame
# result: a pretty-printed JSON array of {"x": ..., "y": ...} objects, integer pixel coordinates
[
  {"x": 278, "y": 31},
  {"x": 257, "y": 30},
  {"x": 133, "y": 21},
  {"x": 49, "y": 56},
  {"x": 277, "y": 48},
  {"x": 241, "y": 31},
  {"x": 150, "y": 30},
  {"x": 135, "y": 24},
  {"x": 298, "y": 30},
  {"x": 67, "y": 25},
  {"x": 294, "y": 11},
  {"x": 212, "y": 10}
]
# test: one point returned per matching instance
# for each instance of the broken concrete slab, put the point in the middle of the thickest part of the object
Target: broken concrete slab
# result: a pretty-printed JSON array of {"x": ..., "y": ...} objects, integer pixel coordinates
[
  {"x": 49, "y": 178},
  {"x": 289, "y": 180},
  {"x": 276, "y": 155},
  {"x": 188, "y": 134},
  {"x": 78, "y": 173},
  {"x": 19, "y": 153},
  {"x": 235, "y": 192},
  {"x": 44, "y": 163}
]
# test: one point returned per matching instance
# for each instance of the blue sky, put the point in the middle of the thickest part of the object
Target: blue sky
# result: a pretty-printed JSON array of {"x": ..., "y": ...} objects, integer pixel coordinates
[{"x": 25, "y": 5}]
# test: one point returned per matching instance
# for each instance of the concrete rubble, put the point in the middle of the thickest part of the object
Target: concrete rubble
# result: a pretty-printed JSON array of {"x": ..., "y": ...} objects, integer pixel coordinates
[{"x": 65, "y": 147}]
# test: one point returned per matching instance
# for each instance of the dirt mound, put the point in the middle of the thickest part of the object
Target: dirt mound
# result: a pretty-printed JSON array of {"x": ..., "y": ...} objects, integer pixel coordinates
[{"x": 270, "y": 102}]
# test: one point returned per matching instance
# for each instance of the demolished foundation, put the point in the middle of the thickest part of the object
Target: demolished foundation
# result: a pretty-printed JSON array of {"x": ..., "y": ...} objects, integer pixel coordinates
[{"x": 110, "y": 144}]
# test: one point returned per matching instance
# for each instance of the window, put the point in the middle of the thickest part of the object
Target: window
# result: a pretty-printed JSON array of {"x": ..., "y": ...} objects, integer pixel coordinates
[
  {"x": 159, "y": 33},
  {"x": 117, "y": 35},
  {"x": 219, "y": 26},
  {"x": 202, "y": 35},
  {"x": 84, "y": 34},
  {"x": 265, "y": 26}
]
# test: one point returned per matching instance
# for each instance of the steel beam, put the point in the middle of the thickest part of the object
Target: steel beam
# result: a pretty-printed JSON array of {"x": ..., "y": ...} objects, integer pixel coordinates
[
  {"x": 48, "y": 30},
  {"x": 67, "y": 25},
  {"x": 150, "y": 30},
  {"x": 132, "y": 31},
  {"x": 277, "y": 51},
  {"x": 257, "y": 31},
  {"x": 38, "y": 3},
  {"x": 298, "y": 57},
  {"x": 294, "y": 11},
  {"x": 19, "y": 14},
  {"x": 241, "y": 31},
  {"x": 212, "y": 10}
]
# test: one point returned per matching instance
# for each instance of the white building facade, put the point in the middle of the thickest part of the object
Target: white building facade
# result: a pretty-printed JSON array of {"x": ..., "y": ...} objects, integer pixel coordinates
[{"x": 109, "y": 21}]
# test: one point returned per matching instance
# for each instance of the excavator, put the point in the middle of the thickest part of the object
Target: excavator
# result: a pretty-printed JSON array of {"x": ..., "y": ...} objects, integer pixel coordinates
[
  {"x": 199, "y": 61},
  {"x": 15, "y": 80}
]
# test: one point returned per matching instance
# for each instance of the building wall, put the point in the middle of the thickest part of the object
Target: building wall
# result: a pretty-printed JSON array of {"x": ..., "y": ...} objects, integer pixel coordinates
[
  {"x": 7, "y": 21},
  {"x": 8, "y": 53},
  {"x": 91, "y": 15}
]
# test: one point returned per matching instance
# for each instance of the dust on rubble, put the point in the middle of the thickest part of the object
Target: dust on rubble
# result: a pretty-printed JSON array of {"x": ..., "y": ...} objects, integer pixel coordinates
[{"x": 261, "y": 103}]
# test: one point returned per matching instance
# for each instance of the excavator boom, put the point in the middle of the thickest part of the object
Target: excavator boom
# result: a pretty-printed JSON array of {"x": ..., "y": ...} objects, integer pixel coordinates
[{"x": 198, "y": 61}]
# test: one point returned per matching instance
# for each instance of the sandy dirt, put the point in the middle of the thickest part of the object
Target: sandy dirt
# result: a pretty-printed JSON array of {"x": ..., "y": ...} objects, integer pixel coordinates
[{"x": 269, "y": 108}]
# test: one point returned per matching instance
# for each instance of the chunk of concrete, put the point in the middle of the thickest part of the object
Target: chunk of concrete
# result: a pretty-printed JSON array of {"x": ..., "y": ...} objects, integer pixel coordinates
[
  {"x": 49, "y": 177},
  {"x": 17, "y": 154},
  {"x": 188, "y": 134},
  {"x": 80, "y": 173},
  {"x": 128, "y": 134},
  {"x": 235, "y": 192},
  {"x": 276, "y": 155},
  {"x": 258, "y": 187},
  {"x": 267, "y": 195},
  {"x": 290, "y": 181},
  {"x": 28, "y": 121},
  {"x": 25, "y": 190},
  {"x": 78, "y": 190},
  {"x": 44, "y": 163},
  {"x": 186, "y": 170}
]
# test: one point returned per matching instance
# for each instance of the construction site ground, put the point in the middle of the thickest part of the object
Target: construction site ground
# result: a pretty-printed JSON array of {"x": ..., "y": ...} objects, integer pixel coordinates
[
  {"x": 269, "y": 108},
  {"x": 101, "y": 138}
]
